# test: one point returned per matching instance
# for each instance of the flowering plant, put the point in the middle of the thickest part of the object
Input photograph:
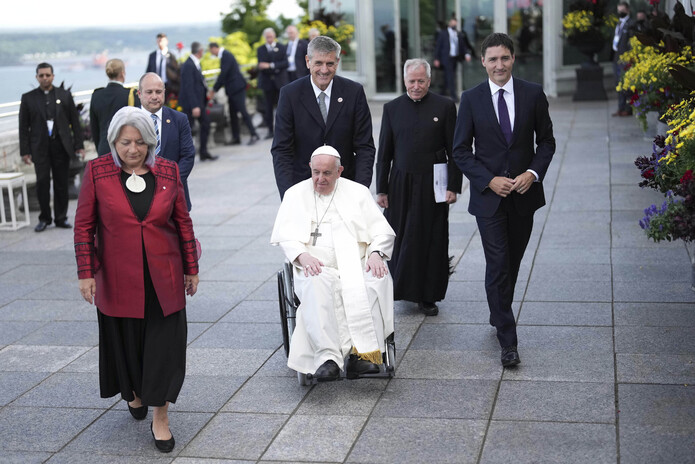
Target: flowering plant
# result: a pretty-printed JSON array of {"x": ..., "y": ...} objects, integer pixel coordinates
[
  {"x": 587, "y": 18},
  {"x": 341, "y": 33},
  {"x": 675, "y": 219},
  {"x": 650, "y": 85}
]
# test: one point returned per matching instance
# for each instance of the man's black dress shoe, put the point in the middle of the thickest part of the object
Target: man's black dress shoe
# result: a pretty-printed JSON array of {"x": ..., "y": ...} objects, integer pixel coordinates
[
  {"x": 430, "y": 309},
  {"x": 40, "y": 227},
  {"x": 64, "y": 225},
  {"x": 510, "y": 356},
  {"x": 208, "y": 157},
  {"x": 254, "y": 138},
  {"x": 327, "y": 371},
  {"x": 357, "y": 367},
  {"x": 165, "y": 446},
  {"x": 270, "y": 135},
  {"x": 138, "y": 413},
  {"x": 234, "y": 142}
]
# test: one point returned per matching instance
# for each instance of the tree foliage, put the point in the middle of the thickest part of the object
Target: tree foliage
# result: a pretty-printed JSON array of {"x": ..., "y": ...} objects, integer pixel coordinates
[{"x": 248, "y": 16}]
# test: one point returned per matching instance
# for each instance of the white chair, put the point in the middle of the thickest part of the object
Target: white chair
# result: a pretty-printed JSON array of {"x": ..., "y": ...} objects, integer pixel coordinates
[{"x": 12, "y": 180}]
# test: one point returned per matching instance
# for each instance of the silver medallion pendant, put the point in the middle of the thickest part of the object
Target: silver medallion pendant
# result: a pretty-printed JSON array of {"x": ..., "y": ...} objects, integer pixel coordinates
[{"x": 135, "y": 183}]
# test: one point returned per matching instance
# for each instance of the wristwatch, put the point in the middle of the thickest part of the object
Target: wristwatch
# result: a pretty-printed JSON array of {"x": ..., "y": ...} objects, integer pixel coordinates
[{"x": 381, "y": 255}]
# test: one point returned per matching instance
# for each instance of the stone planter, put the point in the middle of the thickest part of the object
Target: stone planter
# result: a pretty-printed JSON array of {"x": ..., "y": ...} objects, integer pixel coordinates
[
  {"x": 590, "y": 73},
  {"x": 690, "y": 248}
]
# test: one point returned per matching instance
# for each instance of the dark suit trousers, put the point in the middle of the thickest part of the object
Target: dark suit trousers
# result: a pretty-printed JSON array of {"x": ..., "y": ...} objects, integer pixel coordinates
[
  {"x": 449, "y": 77},
  {"x": 622, "y": 95},
  {"x": 237, "y": 104},
  {"x": 271, "y": 96},
  {"x": 504, "y": 236},
  {"x": 204, "y": 122},
  {"x": 57, "y": 162}
]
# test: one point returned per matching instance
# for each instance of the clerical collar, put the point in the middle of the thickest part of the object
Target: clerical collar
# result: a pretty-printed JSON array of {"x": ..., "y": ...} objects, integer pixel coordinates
[{"x": 417, "y": 101}]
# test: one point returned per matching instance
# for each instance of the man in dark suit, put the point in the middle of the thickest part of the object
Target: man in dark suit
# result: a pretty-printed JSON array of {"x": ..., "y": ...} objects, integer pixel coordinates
[
  {"x": 322, "y": 109},
  {"x": 171, "y": 127},
  {"x": 621, "y": 44},
  {"x": 163, "y": 63},
  {"x": 106, "y": 101},
  {"x": 500, "y": 117},
  {"x": 272, "y": 67},
  {"x": 449, "y": 48},
  {"x": 50, "y": 133},
  {"x": 235, "y": 87},
  {"x": 296, "y": 54},
  {"x": 194, "y": 96}
]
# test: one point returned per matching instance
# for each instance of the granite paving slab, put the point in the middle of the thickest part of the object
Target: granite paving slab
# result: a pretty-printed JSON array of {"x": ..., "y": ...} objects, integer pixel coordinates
[
  {"x": 304, "y": 438},
  {"x": 273, "y": 395},
  {"x": 14, "y": 384},
  {"x": 67, "y": 390},
  {"x": 223, "y": 361},
  {"x": 655, "y": 314},
  {"x": 555, "y": 402},
  {"x": 655, "y": 368},
  {"x": 645, "y": 444},
  {"x": 235, "y": 436},
  {"x": 23, "y": 457},
  {"x": 552, "y": 442},
  {"x": 418, "y": 440},
  {"x": 346, "y": 398},
  {"x": 552, "y": 365},
  {"x": 430, "y": 364},
  {"x": 44, "y": 358},
  {"x": 61, "y": 333},
  {"x": 241, "y": 336},
  {"x": 655, "y": 340},
  {"x": 561, "y": 313}
]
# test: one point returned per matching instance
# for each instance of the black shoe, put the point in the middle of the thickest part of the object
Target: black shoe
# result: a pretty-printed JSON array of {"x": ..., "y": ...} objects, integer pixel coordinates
[
  {"x": 208, "y": 157},
  {"x": 40, "y": 227},
  {"x": 138, "y": 413},
  {"x": 165, "y": 446},
  {"x": 357, "y": 367},
  {"x": 254, "y": 138},
  {"x": 510, "y": 356},
  {"x": 270, "y": 135},
  {"x": 63, "y": 224},
  {"x": 491, "y": 323},
  {"x": 429, "y": 309},
  {"x": 327, "y": 371},
  {"x": 234, "y": 142}
]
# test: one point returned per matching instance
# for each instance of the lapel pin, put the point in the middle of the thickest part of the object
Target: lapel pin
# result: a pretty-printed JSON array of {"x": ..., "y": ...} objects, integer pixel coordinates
[
  {"x": 340, "y": 99},
  {"x": 168, "y": 121},
  {"x": 58, "y": 101},
  {"x": 436, "y": 119},
  {"x": 164, "y": 188}
]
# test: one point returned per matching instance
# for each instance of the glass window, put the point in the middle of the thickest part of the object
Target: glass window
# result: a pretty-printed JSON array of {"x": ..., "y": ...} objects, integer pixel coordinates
[
  {"x": 477, "y": 22},
  {"x": 570, "y": 54},
  {"x": 525, "y": 27},
  {"x": 385, "y": 46}
]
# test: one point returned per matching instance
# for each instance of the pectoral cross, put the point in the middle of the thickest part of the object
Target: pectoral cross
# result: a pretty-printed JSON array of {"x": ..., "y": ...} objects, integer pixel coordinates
[{"x": 316, "y": 235}]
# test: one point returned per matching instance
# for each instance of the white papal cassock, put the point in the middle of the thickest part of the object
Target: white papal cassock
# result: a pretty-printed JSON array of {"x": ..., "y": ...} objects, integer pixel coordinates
[{"x": 343, "y": 306}]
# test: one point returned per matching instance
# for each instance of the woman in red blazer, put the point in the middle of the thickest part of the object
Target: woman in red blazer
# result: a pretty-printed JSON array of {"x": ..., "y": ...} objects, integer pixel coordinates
[{"x": 137, "y": 259}]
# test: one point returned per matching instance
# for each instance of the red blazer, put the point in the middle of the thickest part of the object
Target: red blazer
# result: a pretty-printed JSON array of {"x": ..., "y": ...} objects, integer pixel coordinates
[{"x": 109, "y": 239}]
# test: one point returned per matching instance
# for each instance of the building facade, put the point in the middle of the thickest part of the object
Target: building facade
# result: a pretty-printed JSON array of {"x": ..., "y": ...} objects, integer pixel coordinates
[{"x": 388, "y": 32}]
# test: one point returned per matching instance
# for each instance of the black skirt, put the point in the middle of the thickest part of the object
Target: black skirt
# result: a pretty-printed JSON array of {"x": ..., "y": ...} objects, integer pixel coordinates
[{"x": 146, "y": 356}]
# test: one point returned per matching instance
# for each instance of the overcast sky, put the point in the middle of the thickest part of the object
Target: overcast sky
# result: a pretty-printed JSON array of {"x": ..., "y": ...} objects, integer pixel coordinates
[{"x": 43, "y": 14}]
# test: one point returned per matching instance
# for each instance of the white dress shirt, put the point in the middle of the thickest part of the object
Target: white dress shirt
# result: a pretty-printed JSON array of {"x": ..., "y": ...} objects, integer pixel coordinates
[
  {"x": 328, "y": 90},
  {"x": 291, "y": 52}
]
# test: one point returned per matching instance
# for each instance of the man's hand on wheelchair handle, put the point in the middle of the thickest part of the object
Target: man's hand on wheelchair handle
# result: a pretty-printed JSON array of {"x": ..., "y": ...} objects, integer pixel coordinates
[{"x": 311, "y": 265}]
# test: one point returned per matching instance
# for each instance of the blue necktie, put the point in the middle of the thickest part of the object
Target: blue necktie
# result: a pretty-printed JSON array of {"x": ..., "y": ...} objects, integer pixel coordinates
[
  {"x": 157, "y": 148},
  {"x": 505, "y": 125}
]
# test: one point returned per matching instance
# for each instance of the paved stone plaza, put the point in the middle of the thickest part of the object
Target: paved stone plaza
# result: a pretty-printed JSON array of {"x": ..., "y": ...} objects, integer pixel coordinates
[{"x": 606, "y": 329}]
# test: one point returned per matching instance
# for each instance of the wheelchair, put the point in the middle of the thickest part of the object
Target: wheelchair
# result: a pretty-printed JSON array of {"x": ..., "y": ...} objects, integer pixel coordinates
[{"x": 288, "y": 317}]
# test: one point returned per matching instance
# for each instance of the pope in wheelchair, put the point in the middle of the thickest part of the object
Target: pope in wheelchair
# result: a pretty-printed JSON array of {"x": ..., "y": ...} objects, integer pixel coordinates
[{"x": 336, "y": 241}]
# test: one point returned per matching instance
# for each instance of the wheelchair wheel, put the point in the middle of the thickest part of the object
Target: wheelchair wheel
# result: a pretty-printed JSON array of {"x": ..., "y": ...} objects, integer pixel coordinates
[{"x": 282, "y": 300}]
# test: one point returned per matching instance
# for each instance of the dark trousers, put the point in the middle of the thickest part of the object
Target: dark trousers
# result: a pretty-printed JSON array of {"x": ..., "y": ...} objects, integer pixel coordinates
[
  {"x": 271, "y": 100},
  {"x": 504, "y": 236},
  {"x": 204, "y": 122},
  {"x": 618, "y": 70},
  {"x": 237, "y": 104},
  {"x": 449, "y": 68},
  {"x": 56, "y": 162}
]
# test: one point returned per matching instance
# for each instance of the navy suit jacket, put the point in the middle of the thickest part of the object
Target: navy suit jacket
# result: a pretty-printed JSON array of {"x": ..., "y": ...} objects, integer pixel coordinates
[
  {"x": 104, "y": 104},
  {"x": 299, "y": 130},
  {"x": 442, "y": 48},
  {"x": 177, "y": 144},
  {"x": 300, "y": 58},
  {"x": 194, "y": 91},
  {"x": 230, "y": 75},
  {"x": 276, "y": 77},
  {"x": 478, "y": 123}
]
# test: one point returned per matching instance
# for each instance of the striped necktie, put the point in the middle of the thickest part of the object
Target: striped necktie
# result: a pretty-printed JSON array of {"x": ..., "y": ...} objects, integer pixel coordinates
[
  {"x": 158, "y": 148},
  {"x": 322, "y": 106}
]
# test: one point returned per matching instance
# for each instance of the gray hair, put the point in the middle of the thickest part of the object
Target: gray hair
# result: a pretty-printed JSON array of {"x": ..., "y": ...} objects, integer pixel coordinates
[
  {"x": 415, "y": 63},
  {"x": 139, "y": 120},
  {"x": 195, "y": 48},
  {"x": 268, "y": 29},
  {"x": 323, "y": 45}
]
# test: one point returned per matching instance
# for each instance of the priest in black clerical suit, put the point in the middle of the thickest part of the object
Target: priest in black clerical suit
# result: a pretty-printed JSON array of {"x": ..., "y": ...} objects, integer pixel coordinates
[
  {"x": 501, "y": 117},
  {"x": 272, "y": 74},
  {"x": 50, "y": 134},
  {"x": 301, "y": 126},
  {"x": 417, "y": 132}
]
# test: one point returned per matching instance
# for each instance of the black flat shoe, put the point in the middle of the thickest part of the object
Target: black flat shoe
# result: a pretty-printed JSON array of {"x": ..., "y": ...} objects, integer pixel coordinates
[
  {"x": 510, "y": 356},
  {"x": 64, "y": 225},
  {"x": 254, "y": 138},
  {"x": 138, "y": 413},
  {"x": 429, "y": 309},
  {"x": 327, "y": 371},
  {"x": 40, "y": 227},
  {"x": 357, "y": 367},
  {"x": 165, "y": 446}
]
